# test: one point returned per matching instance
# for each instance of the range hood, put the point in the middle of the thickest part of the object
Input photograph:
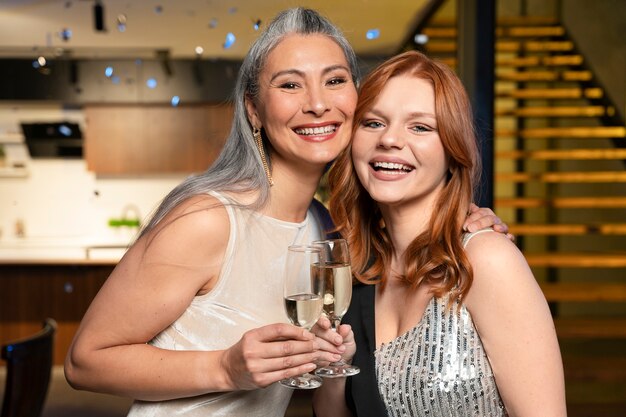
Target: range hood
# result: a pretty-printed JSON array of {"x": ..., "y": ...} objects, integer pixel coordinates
[{"x": 53, "y": 140}]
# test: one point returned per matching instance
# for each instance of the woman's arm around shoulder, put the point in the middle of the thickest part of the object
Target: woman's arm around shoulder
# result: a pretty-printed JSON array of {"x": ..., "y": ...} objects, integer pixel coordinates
[
  {"x": 148, "y": 290},
  {"x": 514, "y": 322}
]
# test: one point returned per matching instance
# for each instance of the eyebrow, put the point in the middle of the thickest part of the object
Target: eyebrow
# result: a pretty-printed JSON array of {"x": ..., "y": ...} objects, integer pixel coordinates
[
  {"x": 294, "y": 71},
  {"x": 412, "y": 115}
]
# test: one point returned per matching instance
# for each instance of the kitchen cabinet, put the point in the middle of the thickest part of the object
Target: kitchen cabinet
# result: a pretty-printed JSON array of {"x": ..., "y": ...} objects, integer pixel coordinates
[
  {"x": 154, "y": 139},
  {"x": 31, "y": 292}
]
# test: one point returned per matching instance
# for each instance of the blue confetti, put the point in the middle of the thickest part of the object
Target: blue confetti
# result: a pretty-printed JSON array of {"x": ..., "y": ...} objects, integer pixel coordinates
[
  {"x": 257, "y": 24},
  {"x": 121, "y": 22},
  {"x": 65, "y": 130},
  {"x": 372, "y": 34},
  {"x": 66, "y": 34},
  {"x": 108, "y": 72},
  {"x": 158, "y": 9},
  {"x": 230, "y": 40},
  {"x": 175, "y": 100},
  {"x": 151, "y": 83},
  {"x": 115, "y": 79},
  {"x": 213, "y": 23}
]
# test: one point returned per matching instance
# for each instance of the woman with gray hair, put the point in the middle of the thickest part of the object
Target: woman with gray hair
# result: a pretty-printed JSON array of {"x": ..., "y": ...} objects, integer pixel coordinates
[{"x": 191, "y": 321}]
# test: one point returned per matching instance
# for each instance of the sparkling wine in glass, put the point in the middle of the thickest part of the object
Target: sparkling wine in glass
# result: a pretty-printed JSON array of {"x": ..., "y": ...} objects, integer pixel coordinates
[
  {"x": 337, "y": 276},
  {"x": 303, "y": 294}
]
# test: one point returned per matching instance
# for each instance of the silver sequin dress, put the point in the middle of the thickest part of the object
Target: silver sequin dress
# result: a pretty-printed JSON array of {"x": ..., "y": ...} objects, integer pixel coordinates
[{"x": 438, "y": 368}]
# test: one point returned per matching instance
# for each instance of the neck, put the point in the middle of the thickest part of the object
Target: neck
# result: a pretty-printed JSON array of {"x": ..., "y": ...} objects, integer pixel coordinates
[
  {"x": 405, "y": 222},
  {"x": 293, "y": 190}
]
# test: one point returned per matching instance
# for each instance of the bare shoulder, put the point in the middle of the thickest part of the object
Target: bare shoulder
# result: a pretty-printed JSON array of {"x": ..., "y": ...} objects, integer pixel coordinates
[
  {"x": 492, "y": 248},
  {"x": 194, "y": 218},
  {"x": 499, "y": 268},
  {"x": 196, "y": 232}
]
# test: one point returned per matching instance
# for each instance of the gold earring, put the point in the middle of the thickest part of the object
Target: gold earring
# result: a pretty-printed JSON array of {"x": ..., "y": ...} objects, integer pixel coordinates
[{"x": 256, "y": 132}]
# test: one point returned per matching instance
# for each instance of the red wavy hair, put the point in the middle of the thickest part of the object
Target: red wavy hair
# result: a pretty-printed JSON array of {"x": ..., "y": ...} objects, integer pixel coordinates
[{"x": 436, "y": 256}]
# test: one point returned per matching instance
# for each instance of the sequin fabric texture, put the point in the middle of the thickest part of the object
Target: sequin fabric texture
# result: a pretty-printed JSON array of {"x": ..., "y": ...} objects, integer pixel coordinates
[{"x": 438, "y": 368}]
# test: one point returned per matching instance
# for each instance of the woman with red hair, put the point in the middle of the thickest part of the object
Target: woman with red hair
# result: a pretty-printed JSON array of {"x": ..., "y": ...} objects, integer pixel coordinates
[{"x": 445, "y": 322}]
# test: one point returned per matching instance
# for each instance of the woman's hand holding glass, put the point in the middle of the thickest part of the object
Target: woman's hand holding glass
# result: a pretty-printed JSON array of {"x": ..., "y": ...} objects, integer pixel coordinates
[
  {"x": 337, "y": 276},
  {"x": 303, "y": 293},
  {"x": 269, "y": 353}
]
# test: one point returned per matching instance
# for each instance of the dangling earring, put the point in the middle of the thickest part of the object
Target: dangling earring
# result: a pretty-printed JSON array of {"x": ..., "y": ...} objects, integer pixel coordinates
[{"x": 256, "y": 132}]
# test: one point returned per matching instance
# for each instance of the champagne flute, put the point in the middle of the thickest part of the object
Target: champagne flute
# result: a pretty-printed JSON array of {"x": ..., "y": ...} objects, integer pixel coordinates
[
  {"x": 337, "y": 295},
  {"x": 303, "y": 293}
]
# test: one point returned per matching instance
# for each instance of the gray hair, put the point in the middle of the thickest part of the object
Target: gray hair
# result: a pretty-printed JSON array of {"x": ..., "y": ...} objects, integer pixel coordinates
[{"x": 239, "y": 167}]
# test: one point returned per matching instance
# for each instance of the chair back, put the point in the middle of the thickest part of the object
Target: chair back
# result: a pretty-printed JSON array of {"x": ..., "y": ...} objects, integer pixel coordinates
[{"x": 29, "y": 364}]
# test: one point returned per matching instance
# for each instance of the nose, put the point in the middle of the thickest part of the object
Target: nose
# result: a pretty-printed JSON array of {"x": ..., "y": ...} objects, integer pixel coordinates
[
  {"x": 316, "y": 102},
  {"x": 392, "y": 137}
]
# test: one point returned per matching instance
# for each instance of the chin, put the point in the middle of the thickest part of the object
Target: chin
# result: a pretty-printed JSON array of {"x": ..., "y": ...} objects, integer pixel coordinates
[{"x": 323, "y": 157}]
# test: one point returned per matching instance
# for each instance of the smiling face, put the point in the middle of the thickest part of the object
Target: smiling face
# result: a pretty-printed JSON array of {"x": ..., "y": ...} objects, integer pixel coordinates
[
  {"x": 306, "y": 101},
  {"x": 397, "y": 153}
]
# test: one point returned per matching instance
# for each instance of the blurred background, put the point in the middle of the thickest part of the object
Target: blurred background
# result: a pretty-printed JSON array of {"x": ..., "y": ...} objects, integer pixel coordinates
[{"x": 105, "y": 105}]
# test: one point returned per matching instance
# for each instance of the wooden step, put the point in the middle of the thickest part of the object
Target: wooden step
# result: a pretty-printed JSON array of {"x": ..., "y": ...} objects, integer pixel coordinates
[
  {"x": 563, "y": 177},
  {"x": 584, "y": 291},
  {"x": 563, "y": 202},
  {"x": 552, "y": 93},
  {"x": 565, "y": 132},
  {"x": 502, "y": 21},
  {"x": 440, "y": 46},
  {"x": 523, "y": 76},
  {"x": 528, "y": 229},
  {"x": 600, "y": 328},
  {"x": 564, "y": 154},
  {"x": 534, "y": 46},
  {"x": 530, "y": 31},
  {"x": 515, "y": 31},
  {"x": 562, "y": 111},
  {"x": 594, "y": 368},
  {"x": 576, "y": 260},
  {"x": 535, "y": 61}
]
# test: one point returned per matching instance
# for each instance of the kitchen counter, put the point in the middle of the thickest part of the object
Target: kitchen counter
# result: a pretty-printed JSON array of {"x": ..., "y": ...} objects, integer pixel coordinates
[
  {"x": 33, "y": 289},
  {"x": 61, "y": 251}
]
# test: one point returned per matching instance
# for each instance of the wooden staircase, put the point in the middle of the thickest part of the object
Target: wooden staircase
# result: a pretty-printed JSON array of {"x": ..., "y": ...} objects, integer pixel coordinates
[{"x": 560, "y": 184}]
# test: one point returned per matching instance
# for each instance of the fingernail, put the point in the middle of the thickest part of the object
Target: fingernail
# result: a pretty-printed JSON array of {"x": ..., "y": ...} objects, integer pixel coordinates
[
  {"x": 341, "y": 348},
  {"x": 338, "y": 340}
]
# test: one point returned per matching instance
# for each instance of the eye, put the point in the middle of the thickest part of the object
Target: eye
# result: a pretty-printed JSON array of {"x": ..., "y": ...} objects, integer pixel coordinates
[
  {"x": 422, "y": 128},
  {"x": 289, "y": 85},
  {"x": 337, "y": 81},
  {"x": 372, "y": 124}
]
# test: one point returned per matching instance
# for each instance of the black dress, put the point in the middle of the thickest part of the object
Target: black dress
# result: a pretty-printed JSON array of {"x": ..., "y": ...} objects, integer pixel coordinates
[{"x": 362, "y": 395}]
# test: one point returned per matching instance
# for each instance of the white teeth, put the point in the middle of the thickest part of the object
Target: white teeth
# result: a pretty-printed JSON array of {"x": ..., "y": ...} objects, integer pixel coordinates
[
  {"x": 316, "y": 130},
  {"x": 392, "y": 165}
]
